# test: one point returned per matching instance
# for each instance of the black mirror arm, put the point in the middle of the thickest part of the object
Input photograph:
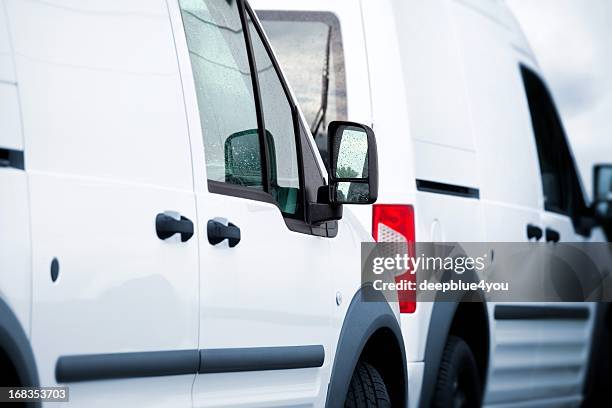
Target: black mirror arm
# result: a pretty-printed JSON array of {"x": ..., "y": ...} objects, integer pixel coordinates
[
  {"x": 320, "y": 213},
  {"x": 323, "y": 210}
]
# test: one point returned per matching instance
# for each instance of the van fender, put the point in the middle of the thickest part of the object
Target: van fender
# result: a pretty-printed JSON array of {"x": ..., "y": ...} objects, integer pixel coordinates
[
  {"x": 440, "y": 323},
  {"x": 363, "y": 319},
  {"x": 442, "y": 314},
  {"x": 15, "y": 343}
]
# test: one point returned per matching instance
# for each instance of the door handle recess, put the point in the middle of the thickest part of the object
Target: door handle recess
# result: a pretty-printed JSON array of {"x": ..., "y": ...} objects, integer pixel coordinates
[
  {"x": 552, "y": 235},
  {"x": 533, "y": 231},
  {"x": 166, "y": 226},
  {"x": 217, "y": 232}
]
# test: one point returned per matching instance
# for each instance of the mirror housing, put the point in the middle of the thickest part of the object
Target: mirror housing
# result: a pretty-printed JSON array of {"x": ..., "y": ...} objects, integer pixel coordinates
[
  {"x": 602, "y": 193},
  {"x": 353, "y": 163}
]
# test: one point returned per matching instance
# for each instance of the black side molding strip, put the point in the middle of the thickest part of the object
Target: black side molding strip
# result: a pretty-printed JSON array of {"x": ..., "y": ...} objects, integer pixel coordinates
[
  {"x": 260, "y": 358},
  {"x": 530, "y": 312},
  {"x": 448, "y": 189},
  {"x": 12, "y": 158},
  {"x": 125, "y": 365},
  {"x": 91, "y": 367}
]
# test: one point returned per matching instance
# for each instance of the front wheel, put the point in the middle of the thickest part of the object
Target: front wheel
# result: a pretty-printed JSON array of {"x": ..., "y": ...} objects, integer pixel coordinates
[
  {"x": 458, "y": 384},
  {"x": 367, "y": 389}
]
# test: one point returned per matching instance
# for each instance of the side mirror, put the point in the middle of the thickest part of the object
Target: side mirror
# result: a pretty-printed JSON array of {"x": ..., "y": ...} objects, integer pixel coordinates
[
  {"x": 602, "y": 193},
  {"x": 353, "y": 164}
]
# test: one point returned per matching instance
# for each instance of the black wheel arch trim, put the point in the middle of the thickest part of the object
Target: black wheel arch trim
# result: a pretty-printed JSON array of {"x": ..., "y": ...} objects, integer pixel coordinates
[
  {"x": 363, "y": 319},
  {"x": 15, "y": 343},
  {"x": 443, "y": 314},
  {"x": 442, "y": 319}
]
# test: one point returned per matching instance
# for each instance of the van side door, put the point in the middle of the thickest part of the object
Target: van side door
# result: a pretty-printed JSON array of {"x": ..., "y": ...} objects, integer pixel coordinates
[
  {"x": 107, "y": 157},
  {"x": 566, "y": 333},
  {"x": 265, "y": 272}
]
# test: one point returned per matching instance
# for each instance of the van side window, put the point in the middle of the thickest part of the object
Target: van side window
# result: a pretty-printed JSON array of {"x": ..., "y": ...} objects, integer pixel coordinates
[
  {"x": 550, "y": 143},
  {"x": 220, "y": 65},
  {"x": 278, "y": 117},
  {"x": 231, "y": 97},
  {"x": 309, "y": 48},
  {"x": 561, "y": 184}
]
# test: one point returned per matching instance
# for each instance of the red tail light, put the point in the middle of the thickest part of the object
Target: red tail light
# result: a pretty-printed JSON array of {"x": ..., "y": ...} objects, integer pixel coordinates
[{"x": 395, "y": 223}]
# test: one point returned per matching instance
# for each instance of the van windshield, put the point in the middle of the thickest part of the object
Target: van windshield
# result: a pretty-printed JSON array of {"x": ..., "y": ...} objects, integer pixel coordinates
[{"x": 309, "y": 49}]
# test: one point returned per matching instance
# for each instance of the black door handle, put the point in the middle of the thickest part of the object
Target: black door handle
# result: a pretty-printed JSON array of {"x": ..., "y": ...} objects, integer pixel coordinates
[
  {"x": 166, "y": 226},
  {"x": 533, "y": 231},
  {"x": 217, "y": 232},
  {"x": 552, "y": 235}
]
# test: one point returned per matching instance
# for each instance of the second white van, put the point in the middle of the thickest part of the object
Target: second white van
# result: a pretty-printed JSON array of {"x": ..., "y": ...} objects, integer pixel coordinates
[{"x": 472, "y": 150}]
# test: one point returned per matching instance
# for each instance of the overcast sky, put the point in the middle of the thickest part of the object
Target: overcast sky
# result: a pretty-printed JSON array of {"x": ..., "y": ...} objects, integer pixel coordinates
[{"x": 572, "y": 41}]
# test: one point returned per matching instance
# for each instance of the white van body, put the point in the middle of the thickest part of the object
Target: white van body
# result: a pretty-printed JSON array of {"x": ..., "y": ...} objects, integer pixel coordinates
[
  {"x": 100, "y": 135},
  {"x": 440, "y": 81}
]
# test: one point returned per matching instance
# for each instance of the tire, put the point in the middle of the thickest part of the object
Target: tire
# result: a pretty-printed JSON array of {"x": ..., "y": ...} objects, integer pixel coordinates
[
  {"x": 367, "y": 389},
  {"x": 601, "y": 387},
  {"x": 458, "y": 384}
]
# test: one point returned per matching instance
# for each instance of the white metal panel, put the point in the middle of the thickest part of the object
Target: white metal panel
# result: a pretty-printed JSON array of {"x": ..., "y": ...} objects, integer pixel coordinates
[
  {"x": 107, "y": 149},
  {"x": 111, "y": 92},
  {"x": 539, "y": 361},
  {"x": 389, "y": 102},
  {"x": 15, "y": 246},
  {"x": 10, "y": 118},
  {"x": 507, "y": 157},
  {"x": 435, "y": 88},
  {"x": 7, "y": 68}
]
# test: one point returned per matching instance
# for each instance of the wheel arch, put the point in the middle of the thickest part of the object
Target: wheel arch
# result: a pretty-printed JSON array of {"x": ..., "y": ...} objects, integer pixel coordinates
[
  {"x": 15, "y": 344},
  {"x": 367, "y": 326},
  {"x": 468, "y": 320}
]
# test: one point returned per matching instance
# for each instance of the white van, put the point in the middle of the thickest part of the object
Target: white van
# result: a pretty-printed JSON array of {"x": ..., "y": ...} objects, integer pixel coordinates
[
  {"x": 167, "y": 234},
  {"x": 471, "y": 150}
]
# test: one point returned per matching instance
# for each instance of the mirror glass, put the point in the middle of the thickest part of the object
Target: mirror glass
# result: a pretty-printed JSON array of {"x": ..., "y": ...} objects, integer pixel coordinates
[
  {"x": 604, "y": 184},
  {"x": 603, "y": 193},
  {"x": 352, "y": 154},
  {"x": 351, "y": 162},
  {"x": 242, "y": 159},
  {"x": 352, "y": 192}
]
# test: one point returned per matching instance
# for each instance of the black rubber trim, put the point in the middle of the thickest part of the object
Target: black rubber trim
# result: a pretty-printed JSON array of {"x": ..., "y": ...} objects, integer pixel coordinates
[
  {"x": 234, "y": 190},
  {"x": 442, "y": 314},
  {"x": 447, "y": 189},
  {"x": 91, "y": 367},
  {"x": 16, "y": 345},
  {"x": 261, "y": 124},
  {"x": 12, "y": 158},
  {"x": 260, "y": 359},
  {"x": 511, "y": 312},
  {"x": 126, "y": 365}
]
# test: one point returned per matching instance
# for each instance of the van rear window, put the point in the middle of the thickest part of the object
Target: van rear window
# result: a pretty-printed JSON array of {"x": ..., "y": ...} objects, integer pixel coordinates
[{"x": 308, "y": 46}]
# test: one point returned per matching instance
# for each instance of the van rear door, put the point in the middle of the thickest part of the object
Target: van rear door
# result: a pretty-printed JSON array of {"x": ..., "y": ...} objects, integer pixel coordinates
[{"x": 115, "y": 300}]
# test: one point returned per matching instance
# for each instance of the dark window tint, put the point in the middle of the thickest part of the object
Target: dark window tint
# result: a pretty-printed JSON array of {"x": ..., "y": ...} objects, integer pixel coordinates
[
  {"x": 309, "y": 49},
  {"x": 560, "y": 181}
]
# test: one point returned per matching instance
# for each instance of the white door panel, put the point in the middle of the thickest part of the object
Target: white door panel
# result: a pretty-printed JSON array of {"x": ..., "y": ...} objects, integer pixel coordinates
[
  {"x": 271, "y": 290},
  {"x": 267, "y": 290},
  {"x": 120, "y": 288}
]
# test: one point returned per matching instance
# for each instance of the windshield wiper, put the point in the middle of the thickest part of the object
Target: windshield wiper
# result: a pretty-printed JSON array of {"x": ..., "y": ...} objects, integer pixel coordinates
[{"x": 320, "y": 116}]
